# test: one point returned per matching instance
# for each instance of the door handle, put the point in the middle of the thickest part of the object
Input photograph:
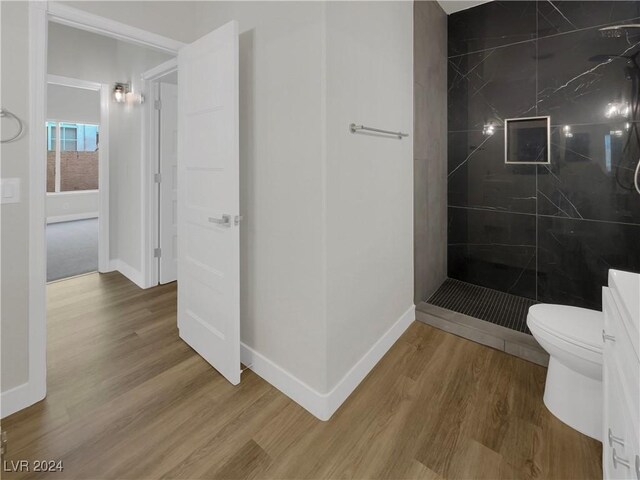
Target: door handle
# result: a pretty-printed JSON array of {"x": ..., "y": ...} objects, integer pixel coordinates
[
  {"x": 225, "y": 221},
  {"x": 606, "y": 337}
]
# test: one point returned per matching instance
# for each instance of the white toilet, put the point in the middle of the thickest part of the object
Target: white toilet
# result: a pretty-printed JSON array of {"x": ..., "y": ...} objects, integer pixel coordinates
[{"x": 573, "y": 338}]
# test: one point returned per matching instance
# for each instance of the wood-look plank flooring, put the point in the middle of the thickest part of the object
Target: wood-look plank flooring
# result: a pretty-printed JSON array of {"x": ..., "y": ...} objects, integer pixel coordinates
[{"x": 127, "y": 399}]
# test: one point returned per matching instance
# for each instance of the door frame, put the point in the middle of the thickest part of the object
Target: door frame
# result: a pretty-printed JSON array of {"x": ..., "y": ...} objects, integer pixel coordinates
[
  {"x": 150, "y": 149},
  {"x": 103, "y": 160},
  {"x": 40, "y": 13}
]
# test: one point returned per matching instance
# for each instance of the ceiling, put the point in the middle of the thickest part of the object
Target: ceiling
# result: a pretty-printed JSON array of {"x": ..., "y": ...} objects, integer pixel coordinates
[{"x": 452, "y": 6}]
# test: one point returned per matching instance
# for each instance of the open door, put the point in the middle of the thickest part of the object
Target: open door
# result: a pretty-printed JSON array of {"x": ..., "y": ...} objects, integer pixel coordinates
[
  {"x": 208, "y": 199},
  {"x": 168, "y": 218}
]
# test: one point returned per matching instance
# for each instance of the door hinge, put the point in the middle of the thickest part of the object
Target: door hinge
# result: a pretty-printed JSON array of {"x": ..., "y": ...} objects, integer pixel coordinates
[
  {"x": 157, "y": 252},
  {"x": 157, "y": 104},
  {"x": 157, "y": 177},
  {"x": 3, "y": 443}
]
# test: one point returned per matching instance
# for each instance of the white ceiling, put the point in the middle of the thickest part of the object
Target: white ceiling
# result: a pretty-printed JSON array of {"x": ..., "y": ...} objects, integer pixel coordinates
[{"x": 452, "y": 6}]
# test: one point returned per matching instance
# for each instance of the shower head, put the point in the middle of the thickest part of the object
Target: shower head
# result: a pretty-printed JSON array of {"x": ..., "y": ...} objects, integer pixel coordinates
[{"x": 615, "y": 31}]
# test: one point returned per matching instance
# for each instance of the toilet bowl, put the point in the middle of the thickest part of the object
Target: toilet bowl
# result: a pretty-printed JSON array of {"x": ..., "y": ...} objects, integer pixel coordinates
[{"x": 573, "y": 338}]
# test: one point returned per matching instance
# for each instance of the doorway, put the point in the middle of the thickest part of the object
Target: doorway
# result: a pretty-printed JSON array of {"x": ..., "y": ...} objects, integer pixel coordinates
[
  {"x": 77, "y": 193},
  {"x": 208, "y": 138},
  {"x": 161, "y": 139}
]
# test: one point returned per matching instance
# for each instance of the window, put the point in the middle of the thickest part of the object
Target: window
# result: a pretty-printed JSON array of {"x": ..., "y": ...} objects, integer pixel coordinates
[{"x": 72, "y": 157}]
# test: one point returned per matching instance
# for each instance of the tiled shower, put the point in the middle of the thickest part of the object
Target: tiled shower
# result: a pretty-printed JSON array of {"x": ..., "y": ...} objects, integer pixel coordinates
[{"x": 548, "y": 233}]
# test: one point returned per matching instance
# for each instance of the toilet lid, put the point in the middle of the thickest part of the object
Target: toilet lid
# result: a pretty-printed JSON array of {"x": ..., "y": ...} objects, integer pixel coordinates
[{"x": 576, "y": 325}]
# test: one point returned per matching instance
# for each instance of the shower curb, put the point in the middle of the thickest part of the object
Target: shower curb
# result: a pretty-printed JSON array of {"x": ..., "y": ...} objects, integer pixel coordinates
[{"x": 515, "y": 343}]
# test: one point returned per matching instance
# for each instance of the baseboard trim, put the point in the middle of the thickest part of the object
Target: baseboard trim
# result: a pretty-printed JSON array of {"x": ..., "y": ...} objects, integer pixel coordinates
[
  {"x": 17, "y": 398},
  {"x": 128, "y": 271},
  {"x": 324, "y": 405},
  {"x": 294, "y": 388},
  {"x": 361, "y": 369},
  {"x": 71, "y": 217}
]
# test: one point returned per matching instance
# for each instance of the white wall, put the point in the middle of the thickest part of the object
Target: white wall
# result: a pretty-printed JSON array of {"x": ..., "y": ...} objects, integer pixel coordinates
[
  {"x": 281, "y": 161},
  {"x": 87, "y": 56},
  {"x": 70, "y": 104},
  {"x": 369, "y": 178},
  {"x": 72, "y": 205},
  {"x": 14, "y": 162},
  {"x": 173, "y": 19},
  {"x": 327, "y": 242}
]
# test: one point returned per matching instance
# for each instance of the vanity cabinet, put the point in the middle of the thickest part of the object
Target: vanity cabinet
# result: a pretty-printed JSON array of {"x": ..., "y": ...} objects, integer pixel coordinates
[{"x": 621, "y": 377}]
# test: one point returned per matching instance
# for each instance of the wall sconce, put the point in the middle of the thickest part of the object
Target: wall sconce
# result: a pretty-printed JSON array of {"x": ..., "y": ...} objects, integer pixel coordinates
[
  {"x": 120, "y": 92},
  {"x": 488, "y": 130},
  {"x": 617, "y": 109},
  {"x": 566, "y": 130}
]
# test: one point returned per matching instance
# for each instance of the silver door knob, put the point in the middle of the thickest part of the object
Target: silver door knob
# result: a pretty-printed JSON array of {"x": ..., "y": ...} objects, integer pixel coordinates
[{"x": 225, "y": 221}]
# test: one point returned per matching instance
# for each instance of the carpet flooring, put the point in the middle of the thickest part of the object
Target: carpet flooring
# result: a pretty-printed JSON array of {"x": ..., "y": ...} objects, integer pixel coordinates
[{"x": 72, "y": 248}]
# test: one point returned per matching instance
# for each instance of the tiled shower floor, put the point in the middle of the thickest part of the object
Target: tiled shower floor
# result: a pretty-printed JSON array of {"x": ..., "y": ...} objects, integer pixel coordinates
[{"x": 492, "y": 306}]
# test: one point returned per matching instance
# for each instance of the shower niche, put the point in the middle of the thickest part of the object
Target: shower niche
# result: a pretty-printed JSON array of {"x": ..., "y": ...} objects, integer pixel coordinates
[{"x": 527, "y": 140}]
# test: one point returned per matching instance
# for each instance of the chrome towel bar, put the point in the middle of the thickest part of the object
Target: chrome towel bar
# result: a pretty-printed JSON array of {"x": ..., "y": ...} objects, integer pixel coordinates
[{"x": 354, "y": 128}]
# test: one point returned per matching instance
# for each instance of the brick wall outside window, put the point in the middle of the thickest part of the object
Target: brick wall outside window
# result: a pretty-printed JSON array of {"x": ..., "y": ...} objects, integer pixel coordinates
[{"x": 78, "y": 171}]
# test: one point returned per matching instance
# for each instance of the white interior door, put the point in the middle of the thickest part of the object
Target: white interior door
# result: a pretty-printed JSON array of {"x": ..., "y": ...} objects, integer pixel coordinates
[
  {"x": 208, "y": 199},
  {"x": 168, "y": 225}
]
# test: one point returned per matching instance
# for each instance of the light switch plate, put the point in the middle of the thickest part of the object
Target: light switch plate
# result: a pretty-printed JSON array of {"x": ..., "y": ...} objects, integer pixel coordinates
[{"x": 10, "y": 190}]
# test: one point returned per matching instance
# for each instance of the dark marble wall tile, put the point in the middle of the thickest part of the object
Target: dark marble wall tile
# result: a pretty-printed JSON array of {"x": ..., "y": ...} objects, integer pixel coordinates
[
  {"x": 491, "y": 86},
  {"x": 493, "y": 249},
  {"x": 565, "y": 16},
  {"x": 574, "y": 257},
  {"x": 587, "y": 215},
  {"x": 491, "y": 25},
  {"x": 478, "y": 176},
  {"x": 579, "y": 74},
  {"x": 590, "y": 176}
]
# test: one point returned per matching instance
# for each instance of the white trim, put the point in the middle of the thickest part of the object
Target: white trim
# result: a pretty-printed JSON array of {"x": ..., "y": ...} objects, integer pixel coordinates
[
  {"x": 15, "y": 399},
  {"x": 37, "y": 380},
  {"x": 89, "y": 22},
  {"x": 127, "y": 270},
  {"x": 58, "y": 158},
  {"x": 39, "y": 15},
  {"x": 361, "y": 369},
  {"x": 71, "y": 193},
  {"x": 104, "y": 91},
  {"x": 72, "y": 217},
  {"x": 324, "y": 405},
  {"x": 151, "y": 166},
  {"x": 72, "y": 82},
  {"x": 104, "y": 220},
  {"x": 149, "y": 188},
  {"x": 161, "y": 70}
]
